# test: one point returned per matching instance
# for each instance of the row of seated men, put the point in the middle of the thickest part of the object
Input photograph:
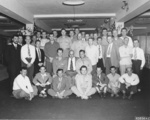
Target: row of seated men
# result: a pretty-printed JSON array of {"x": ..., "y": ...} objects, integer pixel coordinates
[
  {"x": 91, "y": 53},
  {"x": 84, "y": 86}
]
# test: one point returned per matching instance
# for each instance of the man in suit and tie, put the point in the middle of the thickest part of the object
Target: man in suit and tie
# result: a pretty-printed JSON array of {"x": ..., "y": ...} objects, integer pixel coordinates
[
  {"x": 39, "y": 59},
  {"x": 112, "y": 55},
  {"x": 13, "y": 60},
  {"x": 28, "y": 57},
  {"x": 60, "y": 86},
  {"x": 71, "y": 66},
  {"x": 42, "y": 81}
]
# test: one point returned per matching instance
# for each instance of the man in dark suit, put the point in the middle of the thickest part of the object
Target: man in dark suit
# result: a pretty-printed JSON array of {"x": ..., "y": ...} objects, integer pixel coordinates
[
  {"x": 13, "y": 60},
  {"x": 39, "y": 59}
]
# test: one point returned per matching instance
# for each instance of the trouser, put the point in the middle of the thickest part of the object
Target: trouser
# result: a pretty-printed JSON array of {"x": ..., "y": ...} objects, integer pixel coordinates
[
  {"x": 40, "y": 88},
  {"x": 71, "y": 75},
  {"x": 49, "y": 67},
  {"x": 93, "y": 69},
  {"x": 54, "y": 93},
  {"x": 129, "y": 89},
  {"x": 108, "y": 65},
  {"x": 101, "y": 64},
  {"x": 30, "y": 71},
  {"x": 123, "y": 68},
  {"x": 77, "y": 92}
]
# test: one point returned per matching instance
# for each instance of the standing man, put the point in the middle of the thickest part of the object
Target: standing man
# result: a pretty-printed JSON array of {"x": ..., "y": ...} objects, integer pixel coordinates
[
  {"x": 112, "y": 55},
  {"x": 39, "y": 59},
  {"x": 13, "y": 60},
  {"x": 64, "y": 42},
  {"x": 44, "y": 40},
  {"x": 138, "y": 60},
  {"x": 92, "y": 53},
  {"x": 125, "y": 52},
  {"x": 28, "y": 57},
  {"x": 20, "y": 40},
  {"x": 50, "y": 50}
]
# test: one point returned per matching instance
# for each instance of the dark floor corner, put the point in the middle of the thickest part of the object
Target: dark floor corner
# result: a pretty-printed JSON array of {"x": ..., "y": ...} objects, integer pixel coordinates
[{"x": 75, "y": 108}]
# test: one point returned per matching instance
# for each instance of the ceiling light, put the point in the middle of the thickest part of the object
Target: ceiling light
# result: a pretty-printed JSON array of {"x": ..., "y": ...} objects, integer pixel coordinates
[{"x": 73, "y": 2}]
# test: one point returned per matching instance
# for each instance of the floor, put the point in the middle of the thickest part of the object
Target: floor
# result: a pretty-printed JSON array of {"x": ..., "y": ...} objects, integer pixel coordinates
[{"x": 74, "y": 108}]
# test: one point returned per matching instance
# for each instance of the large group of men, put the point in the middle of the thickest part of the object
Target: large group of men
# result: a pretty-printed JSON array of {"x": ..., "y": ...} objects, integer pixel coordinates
[{"x": 78, "y": 63}]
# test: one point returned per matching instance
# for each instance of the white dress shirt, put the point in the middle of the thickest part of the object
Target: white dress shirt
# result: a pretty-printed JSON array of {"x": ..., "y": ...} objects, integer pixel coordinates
[
  {"x": 74, "y": 63},
  {"x": 130, "y": 43},
  {"x": 92, "y": 53},
  {"x": 22, "y": 83},
  {"x": 109, "y": 50},
  {"x": 125, "y": 55},
  {"x": 133, "y": 79},
  {"x": 139, "y": 55},
  {"x": 24, "y": 53}
]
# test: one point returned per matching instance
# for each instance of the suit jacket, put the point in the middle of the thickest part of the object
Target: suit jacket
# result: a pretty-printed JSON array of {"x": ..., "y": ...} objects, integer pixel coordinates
[
  {"x": 103, "y": 79},
  {"x": 36, "y": 62},
  {"x": 65, "y": 84},
  {"x": 12, "y": 56},
  {"x": 39, "y": 79},
  {"x": 115, "y": 58}
]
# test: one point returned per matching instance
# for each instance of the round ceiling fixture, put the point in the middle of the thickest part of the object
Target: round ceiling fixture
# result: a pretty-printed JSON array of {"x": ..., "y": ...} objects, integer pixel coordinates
[{"x": 73, "y": 2}]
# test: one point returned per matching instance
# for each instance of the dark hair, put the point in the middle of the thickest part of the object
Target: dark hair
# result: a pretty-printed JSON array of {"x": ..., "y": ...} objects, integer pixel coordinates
[
  {"x": 82, "y": 51},
  {"x": 136, "y": 40},
  {"x": 23, "y": 68},
  {"x": 83, "y": 66},
  {"x": 59, "y": 70},
  {"x": 104, "y": 29},
  {"x": 99, "y": 67},
  {"x": 112, "y": 67},
  {"x": 42, "y": 66},
  {"x": 99, "y": 38},
  {"x": 63, "y": 29},
  {"x": 37, "y": 41},
  {"x": 123, "y": 29},
  {"x": 59, "y": 49}
]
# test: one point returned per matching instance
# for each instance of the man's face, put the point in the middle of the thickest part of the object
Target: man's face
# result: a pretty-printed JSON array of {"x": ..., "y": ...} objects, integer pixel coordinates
[
  {"x": 83, "y": 71},
  {"x": 55, "y": 33},
  {"x": 23, "y": 73},
  {"x": 15, "y": 39},
  {"x": 95, "y": 36},
  {"x": 99, "y": 40},
  {"x": 79, "y": 36},
  {"x": 126, "y": 40},
  {"x": 104, "y": 32},
  {"x": 71, "y": 54},
  {"x": 63, "y": 32},
  {"x": 42, "y": 70},
  {"x": 38, "y": 44},
  {"x": 44, "y": 34},
  {"x": 99, "y": 71},
  {"x": 90, "y": 41},
  {"x": 113, "y": 70},
  {"x": 28, "y": 40},
  {"x": 51, "y": 37},
  {"x": 60, "y": 73},
  {"x": 87, "y": 36},
  {"x": 129, "y": 71},
  {"x": 124, "y": 32},
  {"x": 82, "y": 54},
  {"x": 136, "y": 43},
  {"x": 60, "y": 53},
  {"x": 77, "y": 31},
  {"x": 71, "y": 33},
  {"x": 38, "y": 34},
  {"x": 34, "y": 38},
  {"x": 115, "y": 33},
  {"x": 20, "y": 39}
]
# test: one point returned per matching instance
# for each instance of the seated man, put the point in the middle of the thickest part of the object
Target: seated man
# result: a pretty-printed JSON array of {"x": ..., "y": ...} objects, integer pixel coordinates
[
  {"x": 83, "y": 86},
  {"x": 71, "y": 66},
  {"x": 42, "y": 80},
  {"x": 22, "y": 87},
  {"x": 114, "y": 84},
  {"x": 100, "y": 82},
  {"x": 60, "y": 86},
  {"x": 129, "y": 82}
]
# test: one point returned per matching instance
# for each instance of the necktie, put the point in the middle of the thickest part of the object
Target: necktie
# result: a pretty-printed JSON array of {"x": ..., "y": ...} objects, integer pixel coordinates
[
  {"x": 99, "y": 51},
  {"x": 29, "y": 53},
  {"x": 135, "y": 54},
  {"x": 39, "y": 54},
  {"x": 71, "y": 65},
  {"x": 108, "y": 53}
]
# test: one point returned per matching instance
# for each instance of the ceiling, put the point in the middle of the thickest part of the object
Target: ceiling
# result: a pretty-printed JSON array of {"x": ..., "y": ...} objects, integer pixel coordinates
[{"x": 55, "y": 15}]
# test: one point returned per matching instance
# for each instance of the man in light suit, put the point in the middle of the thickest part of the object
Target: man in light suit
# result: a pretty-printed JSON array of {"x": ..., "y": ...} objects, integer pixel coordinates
[
  {"x": 42, "y": 81},
  {"x": 112, "y": 55},
  {"x": 39, "y": 59},
  {"x": 60, "y": 86},
  {"x": 71, "y": 66}
]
